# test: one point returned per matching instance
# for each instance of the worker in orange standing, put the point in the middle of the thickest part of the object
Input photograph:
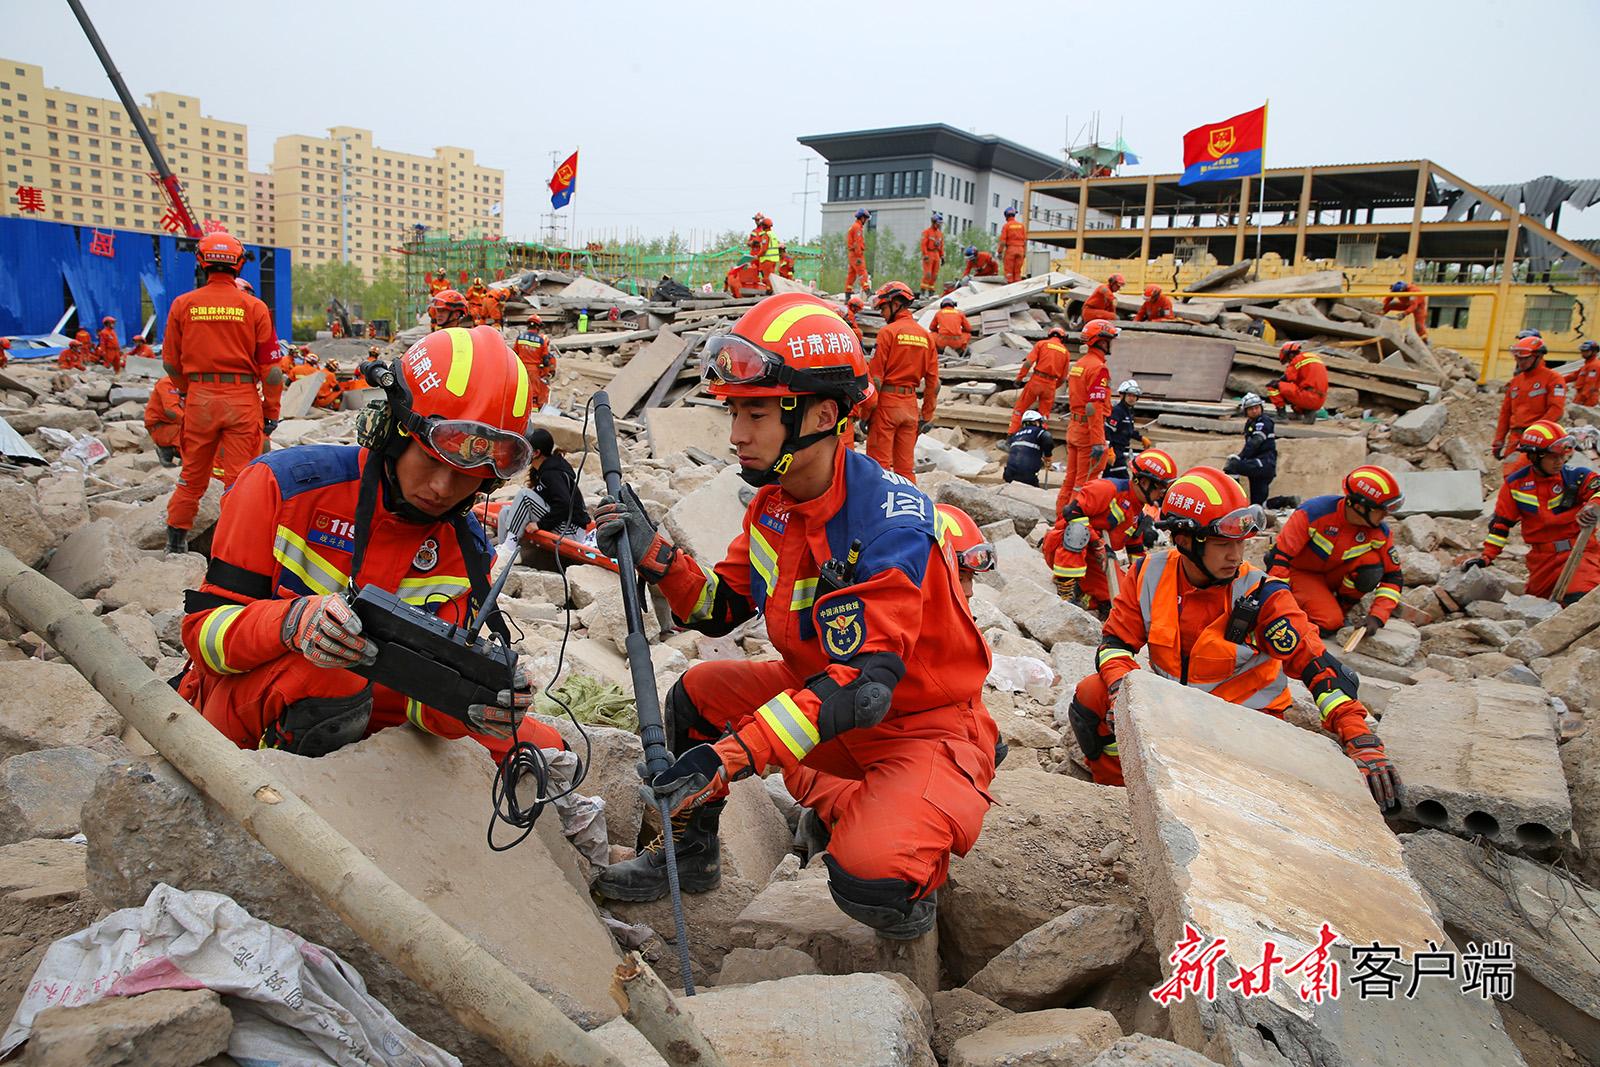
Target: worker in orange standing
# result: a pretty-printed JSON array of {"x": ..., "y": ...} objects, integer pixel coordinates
[
  {"x": 219, "y": 348},
  {"x": 768, "y": 261},
  {"x": 904, "y": 355},
  {"x": 1304, "y": 385},
  {"x": 785, "y": 263},
  {"x": 950, "y": 327},
  {"x": 163, "y": 418},
  {"x": 1157, "y": 306},
  {"x": 1180, "y": 604},
  {"x": 979, "y": 264},
  {"x": 533, "y": 349},
  {"x": 1102, "y": 303},
  {"x": 855, "y": 249},
  {"x": 1584, "y": 383},
  {"x": 437, "y": 282},
  {"x": 1013, "y": 245},
  {"x": 76, "y": 355},
  {"x": 1535, "y": 392},
  {"x": 852, "y": 308},
  {"x": 1416, "y": 306},
  {"x": 1088, "y": 398},
  {"x": 141, "y": 350},
  {"x": 759, "y": 242},
  {"x": 1040, "y": 376},
  {"x": 109, "y": 350},
  {"x": 932, "y": 254},
  {"x": 474, "y": 295}
]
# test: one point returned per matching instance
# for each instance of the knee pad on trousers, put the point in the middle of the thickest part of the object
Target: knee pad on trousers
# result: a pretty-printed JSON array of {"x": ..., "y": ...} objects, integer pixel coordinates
[
  {"x": 885, "y": 904},
  {"x": 682, "y": 716},
  {"x": 1366, "y": 577},
  {"x": 317, "y": 726},
  {"x": 1086, "y": 728}
]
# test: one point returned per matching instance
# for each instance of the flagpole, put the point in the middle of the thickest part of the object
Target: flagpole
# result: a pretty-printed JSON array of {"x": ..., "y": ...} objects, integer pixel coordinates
[
  {"x": 1261, "y": 202},
  {"x": 572, "y": 221}
]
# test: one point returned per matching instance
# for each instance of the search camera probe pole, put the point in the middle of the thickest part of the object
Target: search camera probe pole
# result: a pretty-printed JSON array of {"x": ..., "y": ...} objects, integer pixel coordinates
[{"x": 648, "y": 702}]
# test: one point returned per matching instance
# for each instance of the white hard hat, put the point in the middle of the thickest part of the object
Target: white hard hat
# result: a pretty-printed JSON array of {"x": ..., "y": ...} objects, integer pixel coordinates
[
  {"x": 1251, "y": 400},
  {"x": 1032, "y": 416},
  {"x": 1130, "y": 386}
]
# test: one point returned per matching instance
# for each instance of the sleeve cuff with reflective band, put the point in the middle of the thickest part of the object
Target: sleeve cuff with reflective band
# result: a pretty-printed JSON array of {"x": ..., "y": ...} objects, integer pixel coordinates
[
  {"x": 690, "y": 588},
  {"x": 1330, "y": 702},
  {"x": 213, "y": 633},
  {"x": 1069, "y": 572},
  {"x": 1388, "y": 593},
  {"x": 1496, "y": 540},
  {"x": 789, "y": 725},
  {"x": 414, "y": 716},
  {"x": 1106, "y": 655}
]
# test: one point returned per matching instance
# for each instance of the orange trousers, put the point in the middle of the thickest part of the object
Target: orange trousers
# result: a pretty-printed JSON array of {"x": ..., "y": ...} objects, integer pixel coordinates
[
  {"x": 1079, "y": 467},
  {"x": 892, "y": 440},
  {"x": 1012, "y": 264},
  {"x": 1320, "y": 603},
  {"x": 1038, "y": 394},
  {"x": 221, "y": 433},
  {"x": 766, "y": 267},
  {"x": 930, "y": 271},
  {"x": 241, "y": 706},
  {"x": 898, "y": 797},
  {"x": 539, "y": 391},
  {"x": 858, "y": 270},
  {"x": 1545, "y": 563}
]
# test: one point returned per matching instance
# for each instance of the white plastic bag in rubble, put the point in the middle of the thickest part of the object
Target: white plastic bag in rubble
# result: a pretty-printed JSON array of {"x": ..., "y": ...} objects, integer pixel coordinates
[
  {"x": 1013, "y": 674},
  {"x": 294, "y": 1004},
  {"x": 83, "y": 449}
]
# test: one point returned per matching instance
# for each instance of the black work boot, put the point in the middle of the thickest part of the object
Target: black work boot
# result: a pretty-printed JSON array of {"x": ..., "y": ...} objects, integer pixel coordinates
[
  {"x": 699, "y": 858},
  {"x": 177, "y": 541}
]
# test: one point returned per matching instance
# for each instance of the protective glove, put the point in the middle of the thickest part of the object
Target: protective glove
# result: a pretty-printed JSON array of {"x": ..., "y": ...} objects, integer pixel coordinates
[
  {"x": 924, "y": 426},
  {"x": 1382, "y": 778},
  {"x": 325, "y": 630},
  {"x": 1496, "y": 450},
  {"x": 1475, "y": 561},
  {"x": 1589, "y": 516},
  {"x": 268, "y": 426},
  {"x": 1147, "y": 531},
  {"x": 1233, "y": 466},
  {"x": 652, "y": 553},
  {"x": 1019, "y": 383},
  {"x": 502, "y": 718},
  {"x": 1372, "y": 624},
  {"x": 1095, "y": 452},
  {"x": 695, "y": 778}
]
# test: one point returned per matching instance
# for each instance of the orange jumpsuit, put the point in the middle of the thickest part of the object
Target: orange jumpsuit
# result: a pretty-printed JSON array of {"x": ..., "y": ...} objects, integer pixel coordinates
[
  {"x": 1547, "y": 508},
  {"x": 1157, "y": 310},
  {"x": 850, "y": 317},
  {"x": 901, "y": 796},
  {"x": 142, "y": 351},
  {"x": 1417, "y": 306},
  {"x": 1326, "y": 559},
  {"x": 1013, "y": 248},
  {"x": 786, "y": 267},
  {"x": 288, "y": 530},
  {"x": 982, "y": 265},
  {"x": 1109, "y": 508},
  {"x": 855, "y": 248},
  {"x": 534, "y": 351},
  {"x": 163, "y": 414},
  {"x": 932, "y": 256},
  {"x": 1043, "y": 369},
  {"x": 1304, "y": 386},
  {"x": 1102, "y": 304},
  {"x": 1190, "y": 646},
  {"x": 759, "y": 241},
  {"x": 436, "y": 283},
  {"x": 494, "y": 306},
  {"x": 1585, "y": 383},
  {"x": 1541, "y": 393},
  {"x": 74, "y": 357},
  {"x": 1088, "y": 382},
  {"x": 219, "y": 345},
  {"x": 904, "y": 355},
  {"x": 951, "y": 329},
  {"x": 336, "y": 328},
  {"x": 330, "y": 392},
  {"x": 109, "y": 351},
  {"x": 5, "y": 350},
  {"x": 474, "y": 297}
]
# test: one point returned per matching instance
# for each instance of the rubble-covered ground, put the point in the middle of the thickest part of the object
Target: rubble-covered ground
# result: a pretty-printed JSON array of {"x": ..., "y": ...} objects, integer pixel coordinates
[{"x": 1047, "y": 944}]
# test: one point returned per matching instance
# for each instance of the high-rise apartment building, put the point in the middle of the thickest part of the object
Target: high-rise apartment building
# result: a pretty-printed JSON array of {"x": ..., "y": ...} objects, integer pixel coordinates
[{"x": 262, "y": 221}]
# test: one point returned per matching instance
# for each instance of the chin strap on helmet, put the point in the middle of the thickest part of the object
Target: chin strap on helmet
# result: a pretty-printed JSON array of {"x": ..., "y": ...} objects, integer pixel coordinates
[{"x": 793, "y": 409}]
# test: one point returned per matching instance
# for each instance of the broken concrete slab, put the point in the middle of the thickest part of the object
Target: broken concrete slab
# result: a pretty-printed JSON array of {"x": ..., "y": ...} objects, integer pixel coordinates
[
  {"x": 1419, "y": 425},
  {"x": 1142, "y": 1050},
  {"x": 986, "y": 506},
  {"x": 1488, "y": 897},
  {"x": 155, "y": 583},
  {"x": 42, "y": 792},
  {"x": 49, "y": 705},
  {"x": 25, "y": 531},
  {"x": 957, "y": 1013},
  {"x": 1560, "y": 631},
  {"x": 1048, "y": 967},
  {"x": 44, "y": 895},
  {"x": 993, "y": 296},
  {"x": 1306, "y": 467},
  {"x": 1480, "y": 758},
  {"x": 944, "y": 458},
  {"x": 679, "y": 429},
  {"x": 299, "y": 396},
  {"x": 91, "y": 558},
  {"x": 581, "y": 291},
  {"x": 706, "y": 521},
  {"x": 819, "y": 1020},
  {"x": 639, "y": 375},
  {"x": 743, "y": 966},
  {"x": 1398, "y": 642},
  {"x": 1060, "y": 1037},
  {"x": 1452, "y": 492},
  {"x": 162, "y": 1028},
  {"x": 1253, "y": 829}
]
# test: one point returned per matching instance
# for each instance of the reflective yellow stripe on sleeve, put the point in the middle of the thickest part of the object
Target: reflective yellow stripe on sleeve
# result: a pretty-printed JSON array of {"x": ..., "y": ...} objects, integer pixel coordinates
[
  {"x": 1106, "y": 655},
  {"x": 1496, "y": 540},
  {"x": 1359, "y": 550},
  {"x": 764, "y": 558},
  {"x": 289, "y": 549},
  {"x": 1386, "y": 593},
  {"x": 419, "y": 591},
  {"x": 1330, "y": 702},
  {"x": 414, "y": 715},
  {"x": 783, "y": 716},
  {"x": 804, "y": 595},
  {"x": 212, "y": 633}
]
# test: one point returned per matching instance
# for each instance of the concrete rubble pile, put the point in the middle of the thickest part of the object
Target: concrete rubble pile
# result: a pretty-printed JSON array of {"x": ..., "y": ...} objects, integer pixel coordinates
[{"x": 1059, "y": 922}]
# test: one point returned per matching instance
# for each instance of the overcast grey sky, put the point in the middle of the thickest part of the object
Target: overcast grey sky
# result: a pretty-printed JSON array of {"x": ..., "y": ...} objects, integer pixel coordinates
[{"x": 688, "y": 122}]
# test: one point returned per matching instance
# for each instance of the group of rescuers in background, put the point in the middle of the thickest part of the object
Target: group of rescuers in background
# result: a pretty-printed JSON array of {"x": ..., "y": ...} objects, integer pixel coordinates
[{"x": 874, "y": 712}]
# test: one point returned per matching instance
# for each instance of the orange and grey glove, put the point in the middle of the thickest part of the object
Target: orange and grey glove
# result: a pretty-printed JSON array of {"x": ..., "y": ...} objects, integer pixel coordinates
[
  {"x": 1589, "y": 516},
  {"x": 502, "y": 718},
  {"x": 652, "y": 553},
  {"x": 1382, "y": 778},
  {"x": 695, "y": 778},
  {"x": 325, "y": 630}
]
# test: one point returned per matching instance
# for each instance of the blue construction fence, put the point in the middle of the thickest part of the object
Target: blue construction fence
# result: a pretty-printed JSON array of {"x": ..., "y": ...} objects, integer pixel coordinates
[{"x": 47, "y": 267}]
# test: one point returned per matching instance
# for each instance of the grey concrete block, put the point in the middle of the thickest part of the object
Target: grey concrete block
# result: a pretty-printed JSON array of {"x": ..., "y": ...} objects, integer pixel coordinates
[{"x": 1441, "y": 493}]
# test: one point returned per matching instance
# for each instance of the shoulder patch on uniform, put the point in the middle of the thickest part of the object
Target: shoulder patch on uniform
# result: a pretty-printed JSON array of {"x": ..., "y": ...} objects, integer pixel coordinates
[
  {"x": 1282, "y": 637},
  {"x": 306, "y": 467},
  {"x": 1319, "y": 506},
  {"x": 843, "y": 625}
]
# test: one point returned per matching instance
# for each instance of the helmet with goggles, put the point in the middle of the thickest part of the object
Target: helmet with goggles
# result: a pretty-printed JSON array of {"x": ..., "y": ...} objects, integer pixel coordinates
[{"x": 957, "y": 531}]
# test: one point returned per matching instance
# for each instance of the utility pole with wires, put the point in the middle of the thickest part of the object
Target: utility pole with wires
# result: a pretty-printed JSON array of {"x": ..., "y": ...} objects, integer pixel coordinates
[{"x": 804, "y": 196}]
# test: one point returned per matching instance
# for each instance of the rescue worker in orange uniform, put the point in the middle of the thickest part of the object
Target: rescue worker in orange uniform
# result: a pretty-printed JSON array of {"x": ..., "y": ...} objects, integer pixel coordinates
[
  {"x": 475, "y": 294},
  {"x": 951, "y": 329},
  {"x": 875, "y": 712},
  {"x": 219, "y": 348},
  {"x": 852, "y": 307},
  {"x": 533, "y": 348},
  {"x": 903, "y": 356},
  {"x": 140, "y": 349},
  {"x": 335, "y": 328},
  {"x": 760, "y": 244},
  {"x": 1415, "y": 306},
  {"x": 968, "y": 550},
  {"x": 109, "y": 350},
  {"x": 1157, "y": 306},
  {"x": 494, "y": 306},
  {"x": 768, "y": 262},
  {"x": 1535, "y": 393},
  {"x": 979, "y": 264},
  {"x": 1012, "y": 245},
  {"x": 1088, "y": 398},
  {"x": 785, "y": 263},
  {"x": 1553, "y": 502},
  {"x": 437, "y": 282},
  {"x": 269, "y": 632},
  {"x": 1102, "y": 303},
  {"x": 330, "y": 392},
  {"x": 1103, "y": 518},
  {"x": 1584, "y": 383},
  {"x": 855, "y": 248},
  {"x": 1206, "y": 514},
  {"x": 1304, "y": 385},
  {"x": 932, "y": 254},
  {"x": 448, "y": 308},
  {"x": 163, "y": 418},
  {"x": 76, "y": 355},
  {"x": 1040, "y": 376},
  {"x": 1335, "y": 550},
  {"x": 5, "y": 351}
]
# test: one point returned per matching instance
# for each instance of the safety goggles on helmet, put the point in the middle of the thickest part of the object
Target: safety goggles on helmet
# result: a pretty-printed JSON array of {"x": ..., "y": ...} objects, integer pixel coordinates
[
  {"x": 731, "y": 360},
  {"x": 1238, "y": 524},
  {"x": 977, "y": 559},
  {"x": 469, "y": 445}
]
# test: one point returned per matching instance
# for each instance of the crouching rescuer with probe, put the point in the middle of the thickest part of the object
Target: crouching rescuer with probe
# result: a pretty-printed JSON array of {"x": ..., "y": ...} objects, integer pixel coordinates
[
  {"x": 1213, "y": 622},
  {"x": 874, "y": 714},
  {"x": 274, "y": 643}
]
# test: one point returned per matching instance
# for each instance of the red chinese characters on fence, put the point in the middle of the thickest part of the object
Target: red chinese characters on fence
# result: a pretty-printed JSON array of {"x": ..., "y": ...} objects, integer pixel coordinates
[
  {"x": 171, "y": 222},
  {"x": 30, "y": 198},
  {"x": 100, "y": 245}
]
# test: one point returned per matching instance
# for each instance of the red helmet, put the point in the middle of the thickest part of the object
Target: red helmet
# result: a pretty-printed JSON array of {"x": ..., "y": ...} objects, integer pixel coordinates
[
  {"x": 1373, "y": 487},
  {"x": 439, "y": 273},
  {"x": 893, "y": 289},
  {"x": 138, "y": 339},
  {"x": 1288, "y": 350},
  {"x": 108, "y": 319},
  {"x": 957, "y": 531},
  {"x": 1116, "y": 281},
  {"x": 448, "y": 300},
  {"x": 1099, "y": 332},
  {"x": 1152, "y": 291},
  {"x": 245, "y": 286},
  {"x": 5, "y": 342},
  {"x": 1154, "y": 464},
  {"x": 534, "y": 319},
  {"x": 1207, "y": 503},
  {"x": 82, "y": 337},
  {"x": 220, "y": 249},
  {"x": 766, "y": 224},
  {"x": 1057, "y": 331},
  {"x": 373, "y": 350},
  {"x": 856, "y": 302},
  {"x": 1527, "y": 348},
  {"x": 1546, "y": 436}
]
